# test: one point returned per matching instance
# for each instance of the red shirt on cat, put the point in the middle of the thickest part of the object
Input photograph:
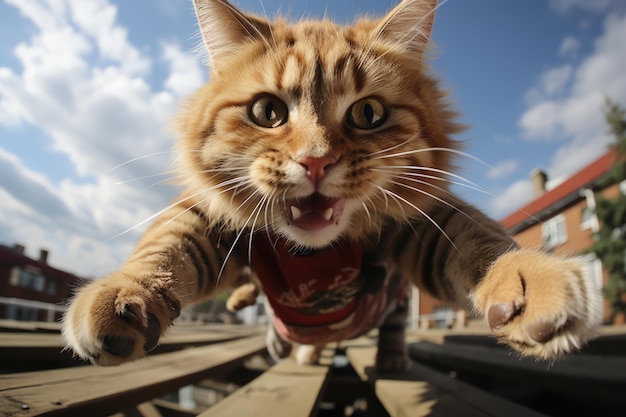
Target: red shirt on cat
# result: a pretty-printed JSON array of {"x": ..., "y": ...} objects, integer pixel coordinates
[{"x": 321, "y": 296}]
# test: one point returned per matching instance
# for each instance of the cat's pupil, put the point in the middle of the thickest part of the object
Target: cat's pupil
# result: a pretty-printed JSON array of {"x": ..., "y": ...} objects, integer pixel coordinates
[
  {"x": 369, "y": 113},
  {"x": 269, "y": 111}
]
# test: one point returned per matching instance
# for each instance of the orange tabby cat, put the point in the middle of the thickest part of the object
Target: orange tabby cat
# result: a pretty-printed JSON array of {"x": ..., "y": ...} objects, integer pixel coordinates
[{"x": 318, "y": 158}]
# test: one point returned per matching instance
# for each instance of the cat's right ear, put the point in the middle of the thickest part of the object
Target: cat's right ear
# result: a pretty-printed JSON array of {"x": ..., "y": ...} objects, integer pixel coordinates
[
  {"x": 409, "y": 25},
  {"x": 224, "y": 28}
]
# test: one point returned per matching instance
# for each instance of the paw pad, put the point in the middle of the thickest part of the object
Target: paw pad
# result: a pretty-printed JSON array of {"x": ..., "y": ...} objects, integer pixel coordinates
[
  {"x": 542, "y": 331},
  {"x": 500, "y": 314},
  {"x": 118, "y": 345}
]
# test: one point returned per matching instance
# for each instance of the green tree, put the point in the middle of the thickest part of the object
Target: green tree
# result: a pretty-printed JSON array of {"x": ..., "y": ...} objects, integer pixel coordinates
[{"x": 610, "y": 242}]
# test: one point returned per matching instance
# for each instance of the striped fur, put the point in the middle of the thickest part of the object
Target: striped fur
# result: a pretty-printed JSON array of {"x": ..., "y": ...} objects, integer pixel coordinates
[{"x": 294, "y": 112}]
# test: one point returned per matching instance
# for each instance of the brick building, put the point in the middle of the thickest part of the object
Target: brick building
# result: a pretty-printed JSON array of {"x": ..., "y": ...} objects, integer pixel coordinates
[
  {"x": 34, "y": 280},
  {"x": 562, "y": 219}
]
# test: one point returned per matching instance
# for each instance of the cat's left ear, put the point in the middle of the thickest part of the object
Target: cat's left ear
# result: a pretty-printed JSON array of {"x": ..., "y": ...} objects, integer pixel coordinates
[
  {"x": 409, "y": 25},
  {"x": 224, "y": 28}
]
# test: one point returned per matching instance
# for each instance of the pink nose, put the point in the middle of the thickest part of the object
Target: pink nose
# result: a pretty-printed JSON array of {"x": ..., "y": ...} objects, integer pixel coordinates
[{"x": 316, "y": 167}]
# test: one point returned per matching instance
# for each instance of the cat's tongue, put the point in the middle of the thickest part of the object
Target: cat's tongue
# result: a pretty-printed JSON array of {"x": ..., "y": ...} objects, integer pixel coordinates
[{"x": 314, "y": 212}]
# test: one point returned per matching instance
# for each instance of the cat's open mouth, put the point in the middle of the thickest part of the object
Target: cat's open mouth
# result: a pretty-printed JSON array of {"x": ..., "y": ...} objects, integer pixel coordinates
[{"x": 314, "y": 212}]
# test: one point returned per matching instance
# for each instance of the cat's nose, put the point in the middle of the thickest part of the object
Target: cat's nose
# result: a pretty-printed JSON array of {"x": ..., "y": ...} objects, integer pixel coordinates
[{"x": 316, "y": 166}]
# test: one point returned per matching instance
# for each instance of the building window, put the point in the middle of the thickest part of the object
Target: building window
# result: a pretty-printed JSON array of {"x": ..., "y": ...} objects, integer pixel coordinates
[
  {"x": 553, "y": 231},
  {"x": 21, "y": 313},
  {"x": 52, "y": 286},
  {"x": 587, "y": 219},
  {"x": 28, "y": 278},
  {"x": 593, "y": 269}
]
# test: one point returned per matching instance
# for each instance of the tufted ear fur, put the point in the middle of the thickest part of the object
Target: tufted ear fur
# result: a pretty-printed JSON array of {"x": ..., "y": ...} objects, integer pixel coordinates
[
  {"x": 409, "y": 25},
  {"x": 224, "y": 28}
]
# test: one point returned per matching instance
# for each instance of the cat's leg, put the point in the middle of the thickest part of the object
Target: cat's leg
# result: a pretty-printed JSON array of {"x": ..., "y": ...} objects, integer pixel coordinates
[
  {"x": 242, "y": 297},
  {"x": 308, "y": 354},
  {"x": 277, "y": 347},
  {"x": 540, "y": 304},
  {"x": 392, "y": 352},
  {"x": 121, "y": 317}
]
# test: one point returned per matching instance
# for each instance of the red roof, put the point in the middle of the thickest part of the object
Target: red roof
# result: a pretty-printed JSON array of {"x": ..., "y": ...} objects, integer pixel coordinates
[{"x": 579, "y": 180}]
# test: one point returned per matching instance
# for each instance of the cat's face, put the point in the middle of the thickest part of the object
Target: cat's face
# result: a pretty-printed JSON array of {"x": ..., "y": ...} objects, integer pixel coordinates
[{"x": 314, "y": 131}]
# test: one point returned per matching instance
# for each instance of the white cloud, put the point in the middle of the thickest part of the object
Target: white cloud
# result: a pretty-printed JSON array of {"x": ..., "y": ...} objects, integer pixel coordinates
[
  {"x": 502, "y": 169},
  {"x": 568, "y": 105},
  {"x": 569, "y": 47},
  {"x": 588, "y": 5},
  {"x": 577, "y": 112},
  {"x": 555, "y": 80},
  {"x": 82, "y": 84},
  {"x": 97, "y": 19},
  {"x": 185, "y": 73},
  {"x": 542, "y": 121},
  {"x": 551, "y": 83},
  {"x": 515, "y": 196}
]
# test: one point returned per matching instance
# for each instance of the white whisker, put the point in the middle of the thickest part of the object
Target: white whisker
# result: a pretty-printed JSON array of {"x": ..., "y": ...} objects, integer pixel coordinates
[
  {"x": 422, "y": 212},
  {"x": 369, "y": 216},
  {"x": 258, "y": 208},
  {"x": 435, "y": 149},
  {"x": 239, "y": 234},
  {"x": 271, "y": 201},
  {"x": 146, "y": 177},
  {"x": 467, "y": 183},
  {"x": 203, "y": 200},
  {"x": 388, "y": 149},
  {"x": 426, "y": 193},
  {"x": 157, "y": 214},
  {"x": 140, "y": 158}
]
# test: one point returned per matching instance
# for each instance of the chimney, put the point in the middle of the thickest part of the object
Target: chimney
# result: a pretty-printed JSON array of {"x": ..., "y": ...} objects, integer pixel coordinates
[
  {"x": 43, "y": 256},
  {"x": 17, "y": 248},
  {"x": 538, "y": 179}
]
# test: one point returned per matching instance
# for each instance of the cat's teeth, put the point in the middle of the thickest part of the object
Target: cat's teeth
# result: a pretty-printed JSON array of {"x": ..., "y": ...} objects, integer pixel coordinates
[
  {"x": 328, "y": 213},
  {"x": 296, "y": 213}
]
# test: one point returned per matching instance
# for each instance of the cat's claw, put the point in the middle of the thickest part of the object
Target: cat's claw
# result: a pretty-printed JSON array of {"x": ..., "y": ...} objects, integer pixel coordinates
[{"x": 109, "y": 324}]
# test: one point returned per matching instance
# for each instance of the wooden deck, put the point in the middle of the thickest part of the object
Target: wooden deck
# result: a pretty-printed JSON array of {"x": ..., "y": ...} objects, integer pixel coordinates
[{"x": 223, "y": 371}]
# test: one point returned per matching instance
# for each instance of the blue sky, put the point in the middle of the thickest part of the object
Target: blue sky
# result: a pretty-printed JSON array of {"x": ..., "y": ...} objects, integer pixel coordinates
[{"x": 87, "y": 89}]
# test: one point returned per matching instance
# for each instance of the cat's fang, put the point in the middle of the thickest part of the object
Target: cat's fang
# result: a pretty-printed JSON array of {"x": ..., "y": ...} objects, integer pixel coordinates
[
  {"x": 328, "y": 213},
  {"x": 296, "y": 213}
]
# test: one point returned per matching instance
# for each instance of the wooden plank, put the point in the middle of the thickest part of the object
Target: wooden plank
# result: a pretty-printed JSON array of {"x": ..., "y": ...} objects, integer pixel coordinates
[
  {"x": 101, "y": 391},
  {"x": 170, "y": 409},
  {"x": 7, "y": 325},
  {"x": 421, "y": 391},
  {"x": 594, "y": 376},
  {"x": 184, "y": 336},
  {"x": 146, "y": 409},
  {"x": 21, "y": 352},
  {"x": 285, "y": 389}
]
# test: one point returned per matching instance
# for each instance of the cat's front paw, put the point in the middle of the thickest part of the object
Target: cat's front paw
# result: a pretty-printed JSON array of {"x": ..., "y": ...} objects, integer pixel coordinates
[
  {"x": 242, "y": 297},
  {"x": 541, "y": 305},
  {"x": 119, "y": 319}
]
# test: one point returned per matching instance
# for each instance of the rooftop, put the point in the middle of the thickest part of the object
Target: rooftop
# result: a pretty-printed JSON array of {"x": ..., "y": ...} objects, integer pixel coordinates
[{"x": 584, "y": 178}]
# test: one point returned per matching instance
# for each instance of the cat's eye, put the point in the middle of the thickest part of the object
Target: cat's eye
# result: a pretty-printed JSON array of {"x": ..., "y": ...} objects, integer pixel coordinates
[
  {"x": 367, "y": 113},
  {"x": 268, "y": 111}
]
